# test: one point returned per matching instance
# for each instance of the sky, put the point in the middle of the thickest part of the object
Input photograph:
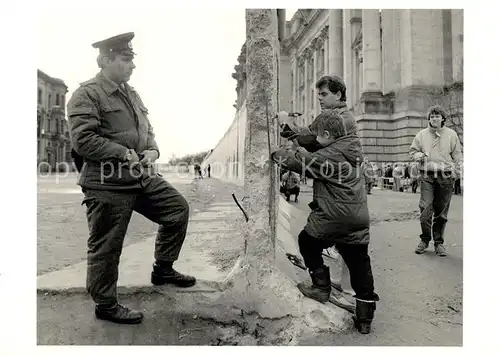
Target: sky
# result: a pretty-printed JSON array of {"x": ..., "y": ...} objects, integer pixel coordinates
[{"x": 185, "y": 58}]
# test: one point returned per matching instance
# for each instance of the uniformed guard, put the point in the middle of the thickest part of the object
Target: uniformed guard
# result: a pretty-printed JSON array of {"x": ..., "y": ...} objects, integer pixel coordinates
[{"x": 113, "y": 137}]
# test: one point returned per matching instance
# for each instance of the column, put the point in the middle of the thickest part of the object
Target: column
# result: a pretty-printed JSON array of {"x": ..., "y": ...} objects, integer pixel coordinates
[
  {"x": 326, "y": 47},
  {"x": 315, "y": 76},
  {"x": 405, "y": 47},
  {"x": 347, "y": 59},
  {"x": 335, "y": 43},
  {"x": 457, "y": 33},
  {"x": 306, "y": 96},
  {"x": 422, "y": 47},
  {"x": 294, "y": 83},
  {"x": 356, "y": 56},
  {"x": 391, "y": 52},
  {"x": 372, "y": 54}
]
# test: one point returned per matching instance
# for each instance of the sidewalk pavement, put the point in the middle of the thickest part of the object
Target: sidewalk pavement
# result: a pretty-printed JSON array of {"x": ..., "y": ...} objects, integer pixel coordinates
[{"x": 206, "y": 232}]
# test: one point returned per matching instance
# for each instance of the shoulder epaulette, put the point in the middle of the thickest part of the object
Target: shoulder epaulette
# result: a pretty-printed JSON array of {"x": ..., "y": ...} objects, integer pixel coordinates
[{"x": 88, "y": 82}]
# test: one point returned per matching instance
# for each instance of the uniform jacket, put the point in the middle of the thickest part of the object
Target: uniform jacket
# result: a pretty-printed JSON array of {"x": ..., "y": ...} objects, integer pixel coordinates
[
  {"x": 339, "y": 207},
  {"x": 106, "y": 120}
]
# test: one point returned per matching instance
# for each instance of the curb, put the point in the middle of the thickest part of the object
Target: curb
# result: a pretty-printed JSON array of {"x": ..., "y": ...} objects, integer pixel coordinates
[{"x": 201, "y": 286}]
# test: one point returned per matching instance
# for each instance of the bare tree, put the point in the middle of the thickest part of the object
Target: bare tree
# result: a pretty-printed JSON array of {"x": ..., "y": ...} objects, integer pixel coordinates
[
  {"x": 450, "y": 98},
  {"x": 454, "y": 106}
]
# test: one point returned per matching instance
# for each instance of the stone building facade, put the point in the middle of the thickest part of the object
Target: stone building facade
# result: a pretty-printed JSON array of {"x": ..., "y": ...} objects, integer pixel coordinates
[
  {"x": 53, "y": 143},
  {"x": 396, "y": 63}
]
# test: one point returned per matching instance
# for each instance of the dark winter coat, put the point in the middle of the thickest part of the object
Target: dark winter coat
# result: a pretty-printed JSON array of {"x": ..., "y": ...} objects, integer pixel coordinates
[{"x": 339, "y": 207}]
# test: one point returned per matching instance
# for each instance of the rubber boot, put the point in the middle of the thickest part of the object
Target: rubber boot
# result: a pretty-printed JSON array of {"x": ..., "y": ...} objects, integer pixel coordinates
[
  {"x": 365, "y": 310},
  {"x": 321, "y": 286}
]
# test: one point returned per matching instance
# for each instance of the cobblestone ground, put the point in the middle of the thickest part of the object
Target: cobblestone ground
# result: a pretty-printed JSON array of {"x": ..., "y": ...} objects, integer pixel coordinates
[{"x": 62, "y": 229}]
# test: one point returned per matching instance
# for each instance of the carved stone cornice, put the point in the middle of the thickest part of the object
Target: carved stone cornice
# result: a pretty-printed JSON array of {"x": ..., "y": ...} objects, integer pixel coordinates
[
  {"x": 360, "y": 55},
  {"x": 324, "y": 33},
  {"x": 297, "y": 37},
  {"x": 355, "y": 19},
  {"x": 315, "y": 44},
  {"x": 307, "y": 53},
  {"x": 357, "y": 44}
]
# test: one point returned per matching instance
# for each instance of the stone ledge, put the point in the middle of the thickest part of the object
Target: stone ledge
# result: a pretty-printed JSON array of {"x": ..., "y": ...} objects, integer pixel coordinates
[
  {"x": 201, "y": 286},
  {"x": 376, "y": 103}
]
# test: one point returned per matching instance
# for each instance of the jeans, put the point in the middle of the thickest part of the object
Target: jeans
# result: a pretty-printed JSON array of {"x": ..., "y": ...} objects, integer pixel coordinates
[
  {"x": 355, "y": 257},
  {"x": 458, "y": 188},
  {"x": 292, "y": 191},
  {"x": 414, "y": 185},
  {"x": 435, "y": 198}
]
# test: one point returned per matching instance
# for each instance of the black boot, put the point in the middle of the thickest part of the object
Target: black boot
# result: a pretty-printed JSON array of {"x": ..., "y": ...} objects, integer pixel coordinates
[
  {"x": 365, "y": 311},
  {"x": 165, "y": 274},
  {"x": 321, "y": 285},
  {"x": 119, "y": 314}
]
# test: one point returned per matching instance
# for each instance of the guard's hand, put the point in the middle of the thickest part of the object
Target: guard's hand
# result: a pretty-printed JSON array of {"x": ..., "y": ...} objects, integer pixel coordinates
[
  {"x": 132, "y": 157},
  {"x": 148, "y": 157}
]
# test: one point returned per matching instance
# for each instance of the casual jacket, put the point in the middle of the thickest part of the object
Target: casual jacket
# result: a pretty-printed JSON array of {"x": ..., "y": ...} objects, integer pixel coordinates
[
  {"x": 441, "y": 149},
  {"x": 307, "y": 139},
  {"x": 369, "y": 170},
  {"x": 105, "y": 120},
  {"x": 290, "y": 180}
]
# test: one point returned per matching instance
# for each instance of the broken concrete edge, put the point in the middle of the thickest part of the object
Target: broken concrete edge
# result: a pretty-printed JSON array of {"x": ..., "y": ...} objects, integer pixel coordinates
[
  {"x": 202, "y": 286},
  {"x": 276, "y": 307},
  {"x": 275, "y": 298}
]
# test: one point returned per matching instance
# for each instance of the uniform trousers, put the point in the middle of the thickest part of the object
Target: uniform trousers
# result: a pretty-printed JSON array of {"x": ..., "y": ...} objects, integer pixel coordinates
[{"x": 108, "y": 215}]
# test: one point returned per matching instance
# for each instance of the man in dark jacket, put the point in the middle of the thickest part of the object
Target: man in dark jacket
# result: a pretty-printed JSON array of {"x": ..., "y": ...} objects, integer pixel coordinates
[
  {"x": 290, "y": 185},
  {"x": 339, "y": 213},
  {"x": 114, "y": 145}
]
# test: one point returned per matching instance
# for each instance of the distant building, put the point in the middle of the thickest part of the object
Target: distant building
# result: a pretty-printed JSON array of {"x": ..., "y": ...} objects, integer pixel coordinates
[
  {"x": 395, "y": 63},
  {"x": 53, "y": 143}
]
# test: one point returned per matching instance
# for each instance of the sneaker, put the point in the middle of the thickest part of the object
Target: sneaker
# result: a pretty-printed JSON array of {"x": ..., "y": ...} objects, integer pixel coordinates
[
  {"x": 421, "y": 247},
  {"x": 440, "y": 250}
]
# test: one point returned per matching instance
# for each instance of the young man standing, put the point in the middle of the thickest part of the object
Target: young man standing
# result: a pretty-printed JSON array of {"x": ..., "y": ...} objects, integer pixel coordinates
[
  {"x": 331, "y": 92},
  {"x": 437, "y": 150}
]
